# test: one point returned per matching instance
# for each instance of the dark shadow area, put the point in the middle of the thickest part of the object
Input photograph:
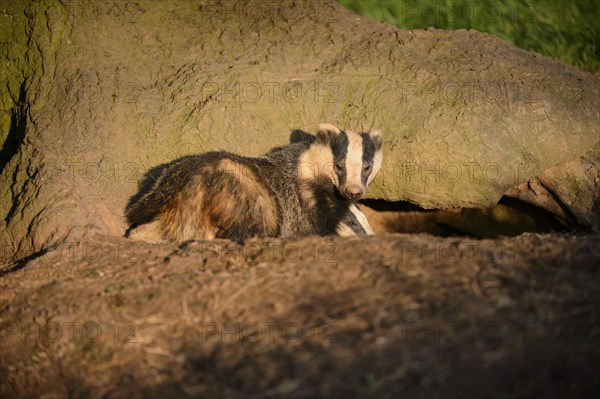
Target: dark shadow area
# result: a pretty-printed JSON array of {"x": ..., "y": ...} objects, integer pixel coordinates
[
  {"x": 16, "y": 133},
  {"x": 434, "y": 357},
  {"x": 394, "y": 206},
  {"x": 144, "y": 187},
  {"x": 510, "y": 217},
  {"x": 21, "y": 263}
]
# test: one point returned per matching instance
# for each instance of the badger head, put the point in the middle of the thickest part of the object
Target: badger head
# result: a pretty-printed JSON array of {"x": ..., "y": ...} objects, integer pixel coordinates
[
  {"x": 354, "y": 223},
  {"x": 355, "y": 159}
]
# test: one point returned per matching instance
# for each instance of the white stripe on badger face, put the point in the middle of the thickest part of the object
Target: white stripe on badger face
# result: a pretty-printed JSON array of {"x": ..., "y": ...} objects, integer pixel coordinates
[
  {"x": 362, "y": 219},
  {"x": 361, "y": 224},
  {"x": 377, "y": 159},
  {"x": 354, "y": 164}
]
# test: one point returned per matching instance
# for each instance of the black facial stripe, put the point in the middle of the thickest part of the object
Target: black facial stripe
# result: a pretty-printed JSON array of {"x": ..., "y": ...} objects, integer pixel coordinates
[
  {"x": 359, "y": 230},
  {"x": 368, "y": 148},
  {"x": 352, "y": 222},
  {"x": 368, "y": 156},
  {"x": 339, "y": 147}
]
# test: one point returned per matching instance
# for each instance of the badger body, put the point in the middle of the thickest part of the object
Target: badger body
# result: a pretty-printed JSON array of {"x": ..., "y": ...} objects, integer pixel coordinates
[{"x": 293, "y": 191}]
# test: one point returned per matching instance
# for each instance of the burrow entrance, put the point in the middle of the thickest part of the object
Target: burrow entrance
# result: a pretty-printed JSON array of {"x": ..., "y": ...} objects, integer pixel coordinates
[{"x": 509, "y": 217}]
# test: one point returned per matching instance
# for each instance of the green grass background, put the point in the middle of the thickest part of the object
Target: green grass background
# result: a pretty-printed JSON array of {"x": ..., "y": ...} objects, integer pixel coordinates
[{"x": 564, "y": 29}]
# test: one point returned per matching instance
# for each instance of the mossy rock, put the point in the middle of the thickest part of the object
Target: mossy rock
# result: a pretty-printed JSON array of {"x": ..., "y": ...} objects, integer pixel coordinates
[{"x": 110, "y": 89}]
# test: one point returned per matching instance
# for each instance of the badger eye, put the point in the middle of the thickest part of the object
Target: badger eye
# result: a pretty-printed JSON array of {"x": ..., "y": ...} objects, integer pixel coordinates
[
  {"x": 339, "y": 167},
  {"x": 351, "y": 223},
  {"x": 367, "y": 168}
]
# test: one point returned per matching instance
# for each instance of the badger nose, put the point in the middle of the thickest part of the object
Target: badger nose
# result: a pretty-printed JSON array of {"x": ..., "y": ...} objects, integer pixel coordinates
[{"x": 354, "y": 192}]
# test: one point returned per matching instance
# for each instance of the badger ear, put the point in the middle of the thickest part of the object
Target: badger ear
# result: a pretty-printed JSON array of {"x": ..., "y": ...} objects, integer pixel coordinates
[
  {"x": 327, "y": 133},
  {"x": 377, "y": 138}
]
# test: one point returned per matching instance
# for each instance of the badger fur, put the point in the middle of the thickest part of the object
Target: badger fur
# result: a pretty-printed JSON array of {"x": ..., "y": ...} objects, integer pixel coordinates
[
  {"x": 354, "y": 223},
  {"x": 293, "y": 191}
]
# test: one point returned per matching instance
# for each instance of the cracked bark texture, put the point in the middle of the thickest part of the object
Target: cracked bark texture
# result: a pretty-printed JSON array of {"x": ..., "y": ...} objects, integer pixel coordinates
[{"x": 99, "y": 92}]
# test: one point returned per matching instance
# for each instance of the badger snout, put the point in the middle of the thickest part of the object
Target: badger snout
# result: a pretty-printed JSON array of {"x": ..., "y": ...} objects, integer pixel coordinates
[{"x": 353, "y": 192}]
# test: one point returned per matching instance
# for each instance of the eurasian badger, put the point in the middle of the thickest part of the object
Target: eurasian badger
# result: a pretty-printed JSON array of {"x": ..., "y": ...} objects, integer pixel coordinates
[{"x": 293, "y": 191}]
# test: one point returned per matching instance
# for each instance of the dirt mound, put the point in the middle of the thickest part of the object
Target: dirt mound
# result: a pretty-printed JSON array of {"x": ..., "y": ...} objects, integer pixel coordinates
[{"x": 411, "y": 315}]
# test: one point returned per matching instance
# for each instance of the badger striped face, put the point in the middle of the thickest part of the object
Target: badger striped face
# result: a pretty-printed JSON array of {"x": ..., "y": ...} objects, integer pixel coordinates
[
  {"x": 354, "y": 223},
  {"x": 356, "y": 158}
]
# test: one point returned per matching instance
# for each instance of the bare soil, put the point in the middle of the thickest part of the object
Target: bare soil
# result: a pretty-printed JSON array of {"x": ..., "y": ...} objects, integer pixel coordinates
[{"x": 389, "y": 316}]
